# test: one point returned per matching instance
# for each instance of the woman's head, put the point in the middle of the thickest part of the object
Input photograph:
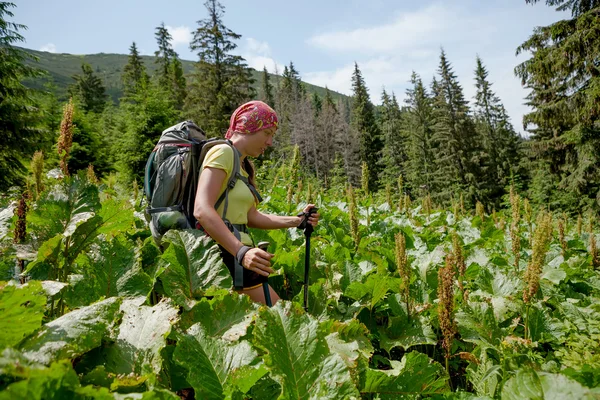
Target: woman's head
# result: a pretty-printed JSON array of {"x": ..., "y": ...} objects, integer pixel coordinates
[{"x": 252, "y": 117}]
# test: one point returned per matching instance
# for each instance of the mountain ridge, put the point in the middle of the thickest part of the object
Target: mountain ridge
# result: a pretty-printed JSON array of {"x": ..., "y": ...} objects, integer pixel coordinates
[{"x": 109, "y": 66}]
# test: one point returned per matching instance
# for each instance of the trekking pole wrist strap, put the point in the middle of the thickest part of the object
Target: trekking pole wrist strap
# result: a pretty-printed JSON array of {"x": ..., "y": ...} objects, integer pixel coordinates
[{"x": 241, "y": 253}]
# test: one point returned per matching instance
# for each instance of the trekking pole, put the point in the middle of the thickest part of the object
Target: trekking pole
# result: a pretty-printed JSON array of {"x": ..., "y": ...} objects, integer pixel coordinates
[
  {"x": 264, "y": 246},
  {"x": 308, "y": 230}
]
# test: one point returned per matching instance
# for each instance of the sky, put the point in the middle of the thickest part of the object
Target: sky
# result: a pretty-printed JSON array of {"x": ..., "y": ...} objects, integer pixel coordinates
[{"x": 388, "y": 39}]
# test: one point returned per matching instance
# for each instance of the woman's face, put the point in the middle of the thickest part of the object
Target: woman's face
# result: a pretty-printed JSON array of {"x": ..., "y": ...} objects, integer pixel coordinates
[{"x": 259, "y": 141}]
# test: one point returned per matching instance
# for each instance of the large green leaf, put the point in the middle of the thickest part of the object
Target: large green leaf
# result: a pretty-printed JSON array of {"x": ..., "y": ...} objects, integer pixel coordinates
[
  {"x": 21, "y": 311},
  {"x": 529, "y": 384},
  {"x": 373, "y": 290},
  {"x": 415, "y": 375},
  {"x": 142, "y": 335},
  {"x": 194, "y": 265},
  {"x": 212, "y": 363},
  {"x": 112, "y": 269},
  {"x": 477, "y": 324},
  {"x": 298, "y": 356},
  {"x": 542, "y": 327},
  {"x": 57, "y": 382},
  {"x": 117, "y": 217},
  {"x": 64, "y": 207},
  {"x": 227, "y": 317},
  {"x": 72, "y": 212},
  {"x": 73, "y": 334},
  {"x": 350, "y": 331},
  {"x": 405, "y": 333}
]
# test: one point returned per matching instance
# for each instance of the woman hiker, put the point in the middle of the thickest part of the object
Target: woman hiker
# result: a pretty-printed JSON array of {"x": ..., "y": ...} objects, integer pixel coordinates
[{"x": 251, "y": 130}]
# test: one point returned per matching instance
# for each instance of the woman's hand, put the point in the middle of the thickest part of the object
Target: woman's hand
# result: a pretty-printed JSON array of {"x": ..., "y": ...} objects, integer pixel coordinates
[
  {"x": 314, "y": 217},
  {"x": 259, "y": 261}
]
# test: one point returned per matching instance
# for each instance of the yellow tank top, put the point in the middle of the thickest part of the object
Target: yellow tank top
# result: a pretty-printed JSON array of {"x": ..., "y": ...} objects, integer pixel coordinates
[{"x": 240, "y": 198}]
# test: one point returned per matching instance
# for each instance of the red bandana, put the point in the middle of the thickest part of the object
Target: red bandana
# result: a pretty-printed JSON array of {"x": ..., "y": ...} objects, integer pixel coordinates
[{"x": 251, "y": 117}]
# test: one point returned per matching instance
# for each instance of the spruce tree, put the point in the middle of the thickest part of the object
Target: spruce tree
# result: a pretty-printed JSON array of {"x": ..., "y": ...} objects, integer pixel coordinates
[
  {"x": 178, "y": 83},
  {"x": 420, "y": 165},
  {"x": 164, "y": 55},
  {"x": 89, "y": 90},
  {"x": 330, "y": 126},
  {"x": 221, "y": 80},
  {"x": 363, "y": 121},
  {"x": 19, "y": 119},
  {"x": 134, "y": 77},
  {"x": 393, "y": 154},
  {"x": 500, "y": 141},
  {"x": 267, "y": 89},
  {"x": 563, "y": 77},
  {"x": 458, "y": 152}
]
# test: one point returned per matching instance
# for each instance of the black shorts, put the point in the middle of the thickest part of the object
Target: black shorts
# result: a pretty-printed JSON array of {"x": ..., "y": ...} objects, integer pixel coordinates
[{"x": 251, "y": 278}]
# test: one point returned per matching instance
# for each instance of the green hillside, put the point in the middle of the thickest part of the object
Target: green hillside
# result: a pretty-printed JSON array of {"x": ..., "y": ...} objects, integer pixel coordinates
[{"x": 61, "y": 67}]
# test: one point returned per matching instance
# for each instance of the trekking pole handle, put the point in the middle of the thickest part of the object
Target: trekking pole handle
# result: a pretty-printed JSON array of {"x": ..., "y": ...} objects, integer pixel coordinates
[
  {"x": 263, "y": 245},
  {"x": 308, "y": 228}
]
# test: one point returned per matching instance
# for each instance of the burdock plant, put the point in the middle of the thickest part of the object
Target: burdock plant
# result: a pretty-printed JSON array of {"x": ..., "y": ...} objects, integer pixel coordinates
[
  {"x": 37, "y": 167},
  {"x": 407, "y": 203},
  {"x": 364, "y": 179},
  {"x": 541, "y": 243},
  {"x": 528, "y": 212},
  {"x": 459, "y": 261},
  {"x": 403, "y": 270},
  {"x": 91, "y": 175},
  {"x": 515, "y": 205},
  {"x": 479, "y": 211},
  {"x": 579, "y": 224},
  {"x": 561, "y": 236},
  {"x": 353, "y": 214},
  {"x": 426, "y": 205},
  {"x": 65, "y": 140},
  {"x": 21, "y": 212},
  {"x": 446, "y": 305}
]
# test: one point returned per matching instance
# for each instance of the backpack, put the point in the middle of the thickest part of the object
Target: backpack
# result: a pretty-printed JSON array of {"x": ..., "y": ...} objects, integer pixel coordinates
[{"x": 171, "y": 178}]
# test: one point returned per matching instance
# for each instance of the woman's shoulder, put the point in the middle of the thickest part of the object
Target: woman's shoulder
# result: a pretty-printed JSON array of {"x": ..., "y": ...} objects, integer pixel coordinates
[{"x": 221, "y": 149}]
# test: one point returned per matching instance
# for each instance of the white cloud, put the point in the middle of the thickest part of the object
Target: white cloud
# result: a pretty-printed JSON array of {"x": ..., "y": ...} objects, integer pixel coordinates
[
  {"x": 50, "y": 47},
  {"x": 258, "y": 55},
  {"x": 408, "y": 31},
  {"x": 181, "y": 35},
  {"x": 387, "y": 53}
]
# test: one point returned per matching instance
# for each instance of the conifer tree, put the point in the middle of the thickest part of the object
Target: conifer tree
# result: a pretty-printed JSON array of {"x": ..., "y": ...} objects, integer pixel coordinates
[
  {"x": 178, "y": 83},
  {"x": 420, "y": 165},
  {"x": 164, "y": 55},
  {"x": 457, "y": 153},
  {"x": 393, "y": 154},
  {"x": 221, "y": 80},
  {"x": 19, "y": 135},
  {"x": 134, "y": 75},
  {"x": 500, "y": 141},
  {"x": 363, "y": 121},
  {"x": 563, "y": 76},
  {"x": 267, "y": 89},
  {"x": 89, "y": 90}
]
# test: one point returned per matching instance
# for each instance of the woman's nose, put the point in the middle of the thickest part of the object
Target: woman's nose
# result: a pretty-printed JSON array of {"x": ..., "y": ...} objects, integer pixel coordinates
[{"x": 270, "y": 141}]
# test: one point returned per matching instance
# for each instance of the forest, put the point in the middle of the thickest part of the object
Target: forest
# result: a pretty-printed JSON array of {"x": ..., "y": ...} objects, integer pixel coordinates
[{"x": 455, "y": 258}]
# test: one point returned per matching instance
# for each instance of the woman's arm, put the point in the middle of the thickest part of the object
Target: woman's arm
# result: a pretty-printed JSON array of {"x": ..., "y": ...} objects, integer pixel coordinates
[
  {"x": 209, "y": 187},
  {"x": 256, "y": 219}
]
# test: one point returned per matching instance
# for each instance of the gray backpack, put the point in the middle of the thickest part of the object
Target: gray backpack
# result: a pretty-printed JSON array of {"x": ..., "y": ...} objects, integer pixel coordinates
[{"x": 171, "y": 177}]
